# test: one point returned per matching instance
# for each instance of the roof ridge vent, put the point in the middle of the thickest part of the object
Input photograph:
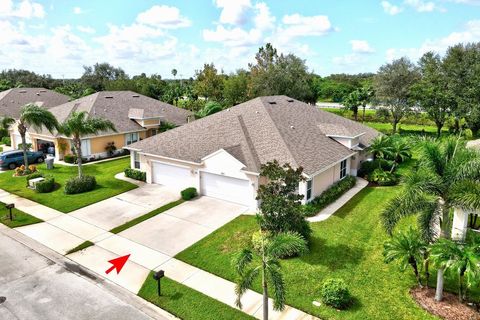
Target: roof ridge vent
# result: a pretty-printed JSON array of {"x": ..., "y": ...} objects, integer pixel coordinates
[
  {"x": 292, "y": 127},
  {"x": 108, "y": 97},
  {"x": 136, "y": 96},
  {"x": 290, "y": 100},
  {"x": 23, "y": 91},
  {"x": 43, "y": 90},
  {"x": 272, "y": 102}
]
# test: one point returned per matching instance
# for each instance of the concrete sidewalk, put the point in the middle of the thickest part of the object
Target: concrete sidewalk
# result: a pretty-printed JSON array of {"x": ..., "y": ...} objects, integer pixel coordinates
[{"x": 333, "y": 207}]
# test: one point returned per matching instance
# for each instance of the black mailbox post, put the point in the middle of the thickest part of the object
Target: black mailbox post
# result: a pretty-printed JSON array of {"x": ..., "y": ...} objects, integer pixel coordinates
[
  {"x": 158, "y": 276},
  {"x": 10, "y": 206}
]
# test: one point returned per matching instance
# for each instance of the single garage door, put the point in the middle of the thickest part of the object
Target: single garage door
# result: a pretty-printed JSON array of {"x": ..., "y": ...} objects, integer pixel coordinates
[
  {"x": 226, "y": 188},
  {"x": 172, "y": 176}
]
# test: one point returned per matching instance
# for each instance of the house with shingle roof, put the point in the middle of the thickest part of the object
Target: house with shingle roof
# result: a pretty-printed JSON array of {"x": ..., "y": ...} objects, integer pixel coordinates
[
  {"x": 221, "y": 155},
  {"x": 134, "y": 116}
]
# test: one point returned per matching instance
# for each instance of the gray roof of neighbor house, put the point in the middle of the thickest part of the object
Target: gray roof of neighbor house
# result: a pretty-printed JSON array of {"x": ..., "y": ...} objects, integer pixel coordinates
[
  {"x": 12, "y": 100},
  {"x": 121, "y": 107},
  {"x": 261, "y": 130}
]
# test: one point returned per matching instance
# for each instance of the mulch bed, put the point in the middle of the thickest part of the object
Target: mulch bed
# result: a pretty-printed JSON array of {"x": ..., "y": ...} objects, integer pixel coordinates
[{"x": 449, "y": 308}]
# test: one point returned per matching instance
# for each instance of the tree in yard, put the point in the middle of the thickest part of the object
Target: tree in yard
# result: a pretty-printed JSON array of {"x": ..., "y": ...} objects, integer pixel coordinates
[
  {"x": 431, "y": 92},
  {"x": 393, "y": 84},
  {"x": 5, "y": 123},
  {"x": 78, "y": 125},
  {"x": 174, "y": 72},
  {"x": 448, "y": 176},
  {"x": 365, "y": 95},
  {"x": 209, "y": 83},
  {"x": 380, "y": 147},
  {"x": 359, "y": 97},
  {"x": 33, "y": 116},
  {"x": 269, "y": 252},
  {"x": 235, "y": 88},
  {"x": 280, "y": 206},
  {"x": 352, "y": 102},
  {"x": 98, "y": 75},
  {"x": 459, "y": 259},
  {"x": 408, "y": 249},
  {"x": 74, "y": 90},
  {"x": 399, "y": 151}
]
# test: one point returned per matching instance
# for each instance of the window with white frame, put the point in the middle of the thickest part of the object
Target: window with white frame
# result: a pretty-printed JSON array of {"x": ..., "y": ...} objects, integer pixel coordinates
[
  {"x": 309, "y": 189},
  {"x": 136, "y": 160},
  {"x": 343, "y": 169},
  {"x": 131, "y": 138}
]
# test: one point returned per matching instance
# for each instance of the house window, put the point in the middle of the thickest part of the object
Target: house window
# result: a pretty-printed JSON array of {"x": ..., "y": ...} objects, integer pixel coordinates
[
  {"x": 153, "y": 132},
  {"x": 136, "y": 160},
  {"x": 131, "y": 138},
  {"x": 343, "y": 169},
  {"x": 309, "y": 189}
]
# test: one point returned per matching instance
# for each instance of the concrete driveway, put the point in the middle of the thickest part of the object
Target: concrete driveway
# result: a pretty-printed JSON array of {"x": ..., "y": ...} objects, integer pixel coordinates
[
  {"x": 115, "y": 211},
  {"x": 183, "y": 225}
]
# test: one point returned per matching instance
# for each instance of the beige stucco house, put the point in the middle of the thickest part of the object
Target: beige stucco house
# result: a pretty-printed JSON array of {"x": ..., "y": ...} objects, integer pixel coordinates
[
  {"x": 221, "y": 154},
  {"x": 135, "y": 117}
]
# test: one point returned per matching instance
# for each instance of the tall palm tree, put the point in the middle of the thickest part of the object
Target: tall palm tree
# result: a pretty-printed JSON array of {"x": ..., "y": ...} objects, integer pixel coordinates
[
  {"x": 448, "y": 176},
  {"x": 380, "y": 147},
  {"x": 399, "y": 151},
  {"x": 268, "y": 267},
  {"x": 78, "y": 125},
  {"x": 37, "y": 118},
  {"x": 459, "y": 259},
  {"x": 407, "y": 248}
]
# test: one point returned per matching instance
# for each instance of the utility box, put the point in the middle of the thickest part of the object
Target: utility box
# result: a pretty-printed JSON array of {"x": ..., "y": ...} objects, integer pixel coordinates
[
  {"x": 49, "y": 162},
  {"x": 32, "y": 182}
]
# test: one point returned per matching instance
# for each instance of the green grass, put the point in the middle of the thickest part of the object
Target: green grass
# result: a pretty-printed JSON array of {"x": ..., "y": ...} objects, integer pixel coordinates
[
  {"x": 81, "y": 246},
  {"x": 405, "y": 128},
  {"x": 147, "y": 216},
  {"x": 348, "y": 245},
  {"x": 104, "y": 172},
  {"x": 20, "y": 218},
  {"x": 187, "y": 303}
]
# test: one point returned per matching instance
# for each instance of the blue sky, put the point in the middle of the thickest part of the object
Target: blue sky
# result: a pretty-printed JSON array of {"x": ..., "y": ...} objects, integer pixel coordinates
[{"x": 60, "y": 36}]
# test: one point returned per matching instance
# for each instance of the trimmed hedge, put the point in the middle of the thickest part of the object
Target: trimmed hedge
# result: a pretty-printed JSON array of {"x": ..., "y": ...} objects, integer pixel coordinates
[
  {"x": 80, "y": 184},
  {"x": 6, "y": 141},
  {"x": 334, "y": 292},
  {"x": 367, "y": 167},
  {"x": 188, "y": 193},
  {"x": 69, "y": 158},
  {"x": 33, "y": 176},
  {"x": 328, "y": 196},
  {"x": 46, "y": 185},
  {"x": 136, "y": 174}
]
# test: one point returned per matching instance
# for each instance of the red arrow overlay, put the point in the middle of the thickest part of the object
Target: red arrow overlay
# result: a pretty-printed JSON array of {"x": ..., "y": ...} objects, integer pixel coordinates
[{"x": 117, "y": 263}]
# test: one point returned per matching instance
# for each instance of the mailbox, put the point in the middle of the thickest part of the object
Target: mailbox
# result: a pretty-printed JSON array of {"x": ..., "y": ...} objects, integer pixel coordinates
[
  {"x": 158, "y": 276},
  {"x": 10, "y": 206}
]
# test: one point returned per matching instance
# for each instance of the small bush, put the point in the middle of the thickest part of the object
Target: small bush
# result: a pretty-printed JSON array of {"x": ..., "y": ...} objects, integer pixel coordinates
[
  {"x": 383, "y": 178},
  {"x": 79, "y": 185},
  {"x": 367, "y": 167},
  {"x": 335, "y": 293},
  {"x": 6, "y": 141},
  {"x": 189, "y": 193},
  {"x": 136, "y": 174},
  {"x": 69, "y": 158},
  {"x": 328, "y": 196},
  {"x": 46, "y": 185},
  {"x": 33, "y": 176}
]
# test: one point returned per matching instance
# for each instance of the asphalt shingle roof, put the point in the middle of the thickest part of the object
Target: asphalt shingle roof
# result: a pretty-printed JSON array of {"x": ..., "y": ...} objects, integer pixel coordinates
[
  {"x": 12, "y": 100},
  {"x": 258, "y": 131}
]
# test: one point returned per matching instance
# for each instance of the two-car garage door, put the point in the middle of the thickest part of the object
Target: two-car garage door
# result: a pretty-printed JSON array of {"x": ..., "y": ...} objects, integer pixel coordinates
[
  {"x": 226, "y": 188},
  {"x": 172, "y": 176}
]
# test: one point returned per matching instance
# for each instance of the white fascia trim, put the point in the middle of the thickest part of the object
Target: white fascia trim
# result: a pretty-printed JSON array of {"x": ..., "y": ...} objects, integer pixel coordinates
[
  {"x": 250, "y": 172},
  {"x": 171, "y": 164},
  {"x": 91, "y": 137},
  {"x": 147, "y": 118},
  {"x": 166, "y": 158},
  {"x": 330, "y": 166},
  {"x": 347, "y": 137}
]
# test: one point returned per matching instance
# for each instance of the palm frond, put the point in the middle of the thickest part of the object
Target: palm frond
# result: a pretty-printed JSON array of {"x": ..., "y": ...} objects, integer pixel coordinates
[
  {"x": 6, "y": 122},
  {"x": 465, "y": 194},
  {"x": 244, "y": 283},
  {"x": 38, "y": 118},
  {"x": 428, "y": 221},
  {"x": 242, "y": 260},
  {"x": 286, "y": 244},
  {"x": 278, "y": 286}
]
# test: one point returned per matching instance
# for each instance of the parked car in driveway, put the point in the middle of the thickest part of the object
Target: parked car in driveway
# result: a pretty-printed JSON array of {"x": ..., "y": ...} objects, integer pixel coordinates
[{"x": 14, "y": 158}]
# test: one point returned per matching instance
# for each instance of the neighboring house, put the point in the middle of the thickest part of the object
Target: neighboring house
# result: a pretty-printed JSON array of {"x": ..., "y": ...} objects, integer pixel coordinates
[
  {"x": 221, "y": 154},
  {"x": 135, "y": 117},
  {"x": 12, "y": 101}
]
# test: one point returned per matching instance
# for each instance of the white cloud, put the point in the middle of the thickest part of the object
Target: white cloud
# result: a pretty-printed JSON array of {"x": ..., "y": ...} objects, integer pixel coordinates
[
  {"x": 86, "y": 29},
  {"x": 296, "y": 25},
  {"x": 233, "y": 37},
  {"x": 471, "y": 2},
  {"x": 347, "y": 60},
  {"x": 263, "y": 19},
  {"x": 423, "y": 6},
  {"x": 361, "y": 46},
  {"x": 471, "y": 33},
  {"x": 26, "y": 9},
  {"x": 234, "y": 12},
  {"x": 390, "y": 8},
  {"x": 77, "y": 10},
  {"x": 161, "y": 16}
]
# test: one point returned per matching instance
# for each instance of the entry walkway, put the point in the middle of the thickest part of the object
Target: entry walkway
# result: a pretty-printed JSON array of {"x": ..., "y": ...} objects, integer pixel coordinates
[{"x": 333, "y": 207}]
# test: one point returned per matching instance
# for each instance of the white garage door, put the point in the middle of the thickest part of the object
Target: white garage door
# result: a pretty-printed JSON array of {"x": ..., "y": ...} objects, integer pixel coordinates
[
  {"x": 226, "y": 188},
  {"x": 172, "y": 176}
]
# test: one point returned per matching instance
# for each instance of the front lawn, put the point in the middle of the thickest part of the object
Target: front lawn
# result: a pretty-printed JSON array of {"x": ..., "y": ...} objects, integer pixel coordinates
[
  {"x": 187, "y": 303},
  {"x": 348, "y": 245},
  {"x": 104, "y": 172},
  {"x": 20, "y": 218}
]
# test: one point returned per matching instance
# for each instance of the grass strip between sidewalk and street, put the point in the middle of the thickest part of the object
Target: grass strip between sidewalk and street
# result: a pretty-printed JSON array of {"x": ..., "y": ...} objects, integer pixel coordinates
[
  {"x": 20, "y": 218},
  {"x": 187, "y": 303},
  {"x": 130, "y": 223}
]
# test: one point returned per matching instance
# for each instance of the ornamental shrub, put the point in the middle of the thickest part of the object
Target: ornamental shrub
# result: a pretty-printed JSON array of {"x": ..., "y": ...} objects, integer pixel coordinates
[
  {"x": 383, "y": 178},
  {"x": 136, "y": 174},
  {"x": 46, "y": 185},
  {"x": 80, "y": 184},
  {"x": 69, "y": 158},
  {"x": 334, "y": 292},
  {"x": 6, "y": 141},
  {"x": 367, "y": 167},
  {"x": 33, "y": 176},
  {"x": 188, "y": 193}
]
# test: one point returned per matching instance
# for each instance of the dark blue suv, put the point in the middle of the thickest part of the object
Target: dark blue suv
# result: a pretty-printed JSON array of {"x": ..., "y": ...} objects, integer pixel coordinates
[{"x": 14, "y": 158}]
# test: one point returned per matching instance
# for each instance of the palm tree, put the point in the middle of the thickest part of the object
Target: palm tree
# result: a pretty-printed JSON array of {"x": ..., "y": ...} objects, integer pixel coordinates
[
  {"x": 78, "y": 125},
  {"x": 380, "y": 147},
  {"x": 351, "y": 102},
  {"x": 5, "y": 123},
  {"x": 458, "y": 259},
  {"x": 174, "y": 72},
  {"x": 365, "y": 96},
  {"x": 269, "y": 252},
  {"x": 448, "y": 176},
  {"x": 38, "y": 118},
  {"x": 399, "y": 151},
  {"x": 408, "y": 249}
]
